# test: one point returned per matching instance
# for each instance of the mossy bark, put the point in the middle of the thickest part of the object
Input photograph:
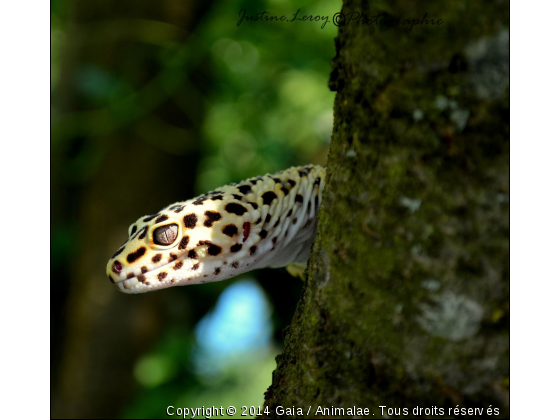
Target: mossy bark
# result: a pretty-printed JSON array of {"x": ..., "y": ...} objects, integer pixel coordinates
[{"x": 407, "y": 299}]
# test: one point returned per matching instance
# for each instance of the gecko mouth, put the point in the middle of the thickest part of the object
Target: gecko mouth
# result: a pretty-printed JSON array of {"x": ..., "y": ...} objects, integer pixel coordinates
[{"x": 148, "y": 280}]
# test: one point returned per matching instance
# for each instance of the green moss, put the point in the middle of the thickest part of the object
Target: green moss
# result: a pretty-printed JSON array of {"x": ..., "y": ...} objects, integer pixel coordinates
[{"x": 412, "y": 200}]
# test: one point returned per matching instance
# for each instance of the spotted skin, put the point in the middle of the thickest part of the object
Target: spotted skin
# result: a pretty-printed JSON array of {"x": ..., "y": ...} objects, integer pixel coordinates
[{"x": 266, "y": 221}]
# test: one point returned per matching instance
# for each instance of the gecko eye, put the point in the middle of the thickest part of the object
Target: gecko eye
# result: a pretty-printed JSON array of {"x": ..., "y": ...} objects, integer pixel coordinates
[{"x": 165, "y": 235}]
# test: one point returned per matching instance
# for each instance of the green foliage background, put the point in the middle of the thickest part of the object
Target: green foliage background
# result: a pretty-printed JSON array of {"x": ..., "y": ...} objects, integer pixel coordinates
[{"x": 152, "y": 104}]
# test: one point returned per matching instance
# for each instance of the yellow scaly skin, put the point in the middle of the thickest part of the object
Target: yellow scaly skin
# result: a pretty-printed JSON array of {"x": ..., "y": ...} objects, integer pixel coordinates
[{"x": 267, "y": 221}]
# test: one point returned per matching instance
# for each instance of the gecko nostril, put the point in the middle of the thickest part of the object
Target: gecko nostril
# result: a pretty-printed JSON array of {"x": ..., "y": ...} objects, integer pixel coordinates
[{"x": 117, "y": 266}]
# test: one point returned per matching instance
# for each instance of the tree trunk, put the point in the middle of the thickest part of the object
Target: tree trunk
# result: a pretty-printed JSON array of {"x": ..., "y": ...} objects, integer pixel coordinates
[{"x": 407, "y": 298}]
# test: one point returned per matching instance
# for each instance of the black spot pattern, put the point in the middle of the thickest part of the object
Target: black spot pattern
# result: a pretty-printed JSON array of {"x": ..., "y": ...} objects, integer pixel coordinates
[
  {"x": 177, "y": 208},
  {"x": 196, "y": 266},
  {"x": 217, "y": 271},
  {"x": 217, "y": 197},
  {"x": 316, "y": 202},
  {"x": 274, "y": 239},
  {"x": 178, "y": 265},
  {"x": 130, "y": 275},
  {"x": 235, "y": 264},
  {"x": 134, "y": 229},
  {"x": 267, "y": 219},
  {"x": 142, "y": 232},
  {"x": 162, "y": 218},
  {"x": 192, "y": 254},
  {"x": 244, "y": 189},
  {"x": 144, "y": 269},
  {"x": 133, "y": 256},
  {"x": 263, "y": 233},
  {"x": 156, "y": 258},
  {"x": 190, "y": 220},
  {"x": 289, "y": 213},
  {"x": 252, "y": 250},
  {"x": 213, "y": 249},
  {"x": 258, "y": 221},
  {"x": 162, "y": 275},
  {"x": 211, "y": 217},
  {"x": 299, "y": 198},
  {"x": 148, "y": 218},
  {"x": 285, "y": 190},
  {"x": 172, "y": 257},
  {"x": 237, "y": 197},
  {"x": 277, "y": 180},
  {"x": 291, "y": 182},
  {"x": 142, "y": 278},
  {"x": 277, "y": 223},
  {"x": 236, "y": 247},
  {"x": 253, "y": 182},
  {"x": 199, "y": 202},
  {"x": 184, "y": 242},
  {"x": 317, "y": 181},
  {"x": 294, "y": 221},
  {"x": 235, "y": 208},
  {"x": 230, "y": 230},
  {"x": 268, "y": 197},
  {"x": 118, "y": 252},
  {"x": 255, "y": 205}
]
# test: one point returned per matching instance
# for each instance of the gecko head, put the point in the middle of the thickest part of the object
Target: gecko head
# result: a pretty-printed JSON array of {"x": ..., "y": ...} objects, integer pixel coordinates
[
  {"x": 186, "y": 243},
  {"x": 261, "y": 222}
]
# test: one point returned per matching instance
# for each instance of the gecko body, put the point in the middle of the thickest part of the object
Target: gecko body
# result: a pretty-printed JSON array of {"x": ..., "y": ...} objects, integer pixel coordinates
[{"x": 266, "y": 221}]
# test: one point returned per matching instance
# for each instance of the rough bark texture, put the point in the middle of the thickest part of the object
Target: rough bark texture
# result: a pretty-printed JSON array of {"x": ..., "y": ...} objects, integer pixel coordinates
[{"x": 407, "y": 298}]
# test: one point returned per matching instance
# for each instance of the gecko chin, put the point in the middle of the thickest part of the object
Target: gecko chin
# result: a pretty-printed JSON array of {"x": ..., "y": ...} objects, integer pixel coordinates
[
  {"x": 183, "y": 271},
  {"x": 133, "y": 286},
  {"x": 149, "y": 278},
  {"x": 158, "y": 278}
]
